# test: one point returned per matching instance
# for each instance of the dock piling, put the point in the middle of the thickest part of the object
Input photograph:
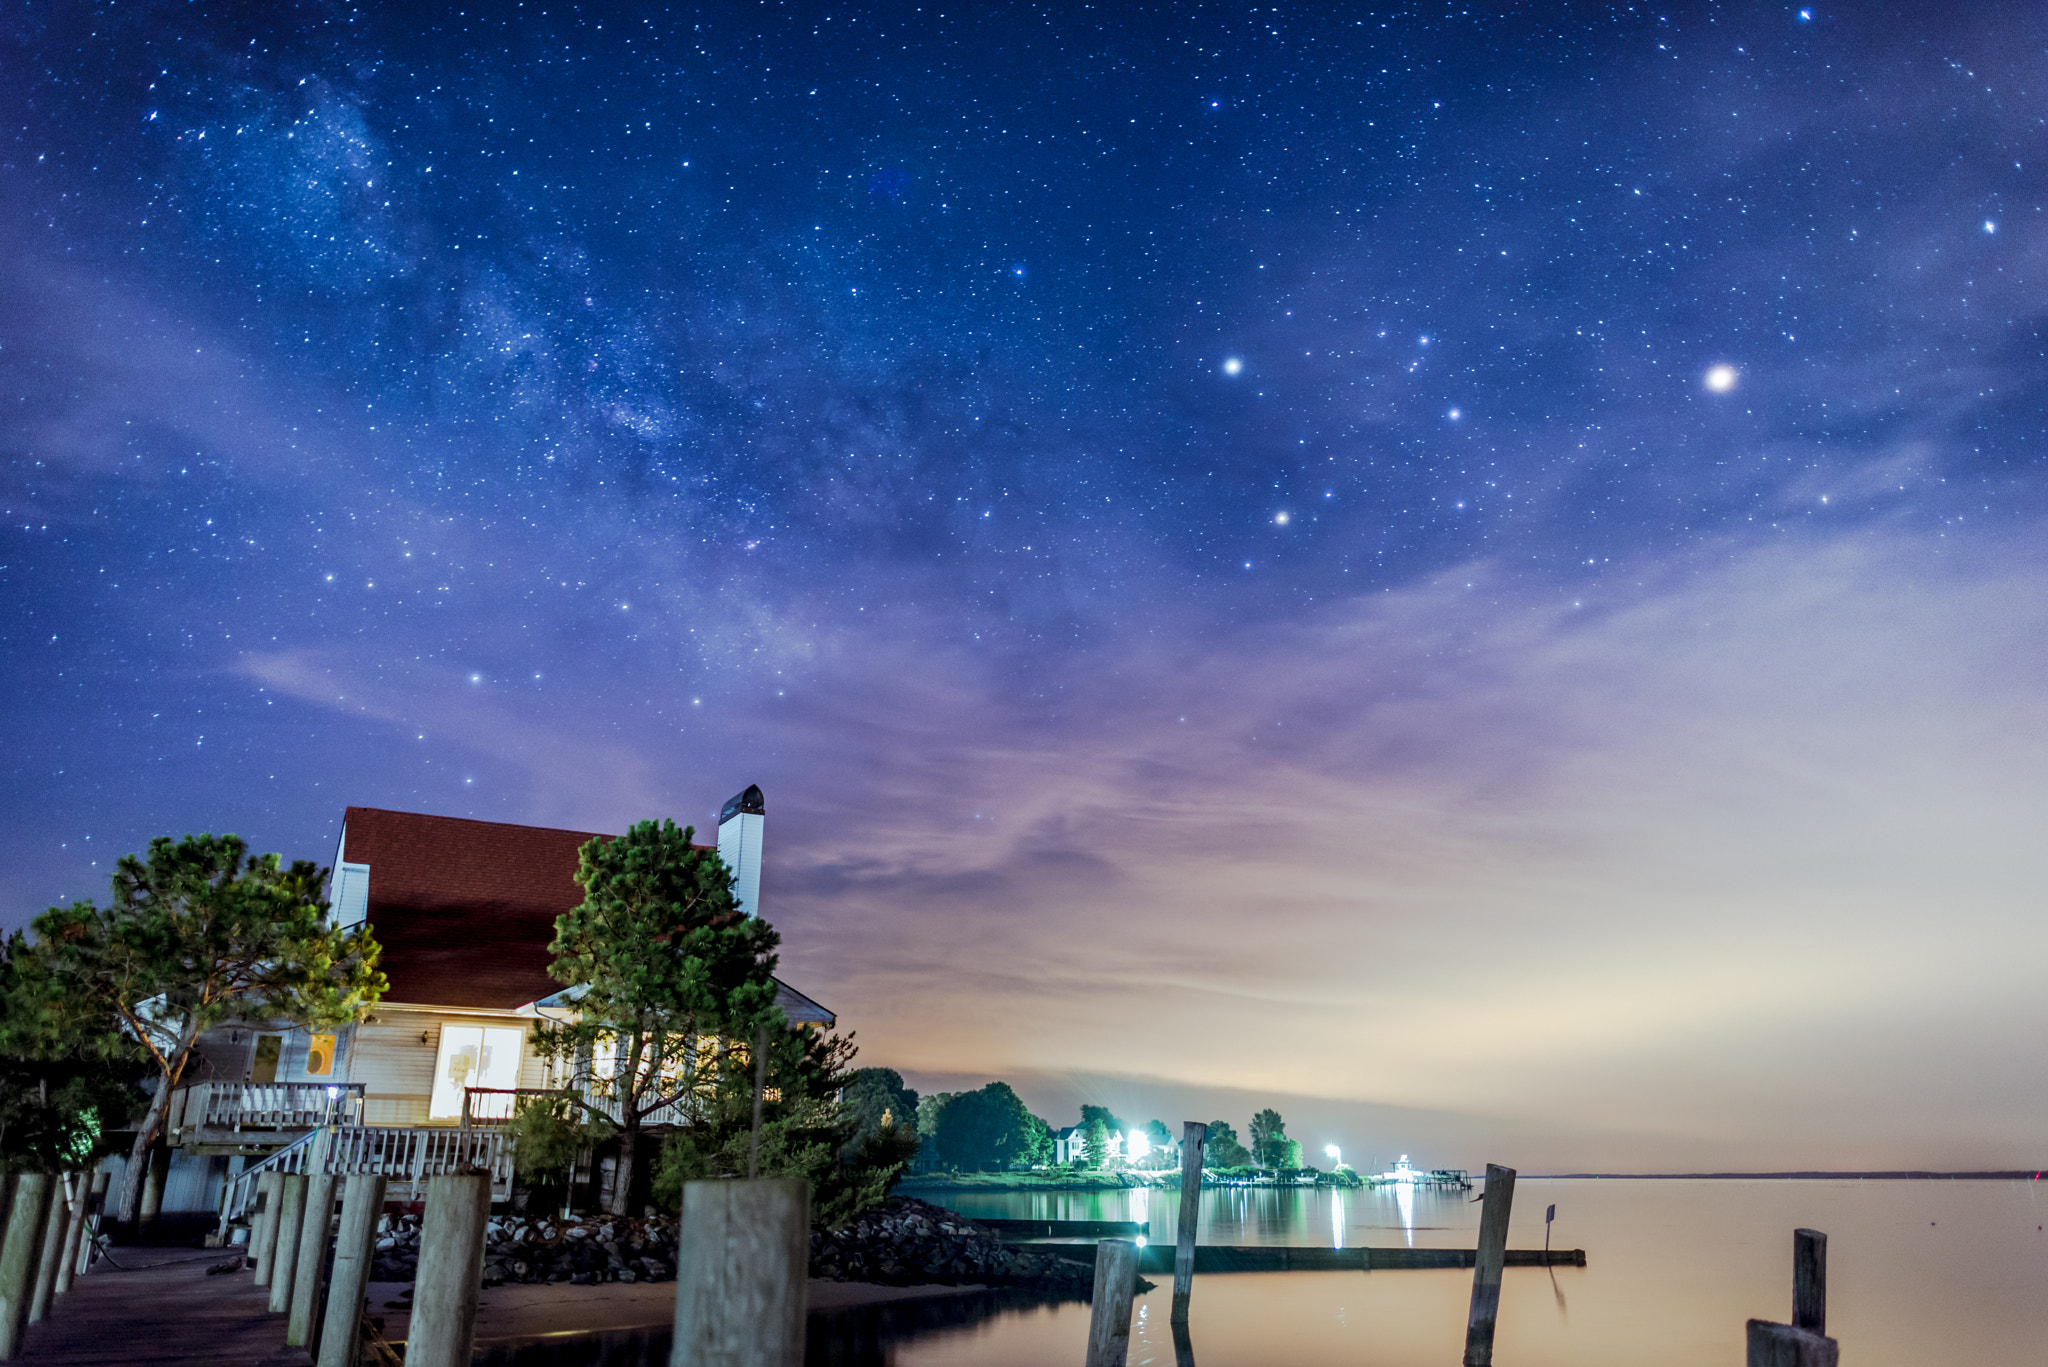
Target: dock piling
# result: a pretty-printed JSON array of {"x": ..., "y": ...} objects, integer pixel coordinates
[
  {"x": 1109, "y": 1317},
  {"x": 451, "y": 1271},
  {"x": 1499, "y": 1199},
  {"x": 74, "y": 1231},
  {"x": 55, "y": 1222},
  {"x": 1782, "y": 1345},
  {"x": 742, "y": 1264},
  {"x": 94, "y": 1219},
  {"x": 309, "y": 1268},
  {"x": 1810, "y": 1280},
  {"x": 1193, "y": 1135},
  {"x": 354, "y": 1248},
  {"x": 284, "y": 1244},
  {"x": 20, "y": 1247},
  {"x": 263, "y": 1225}
]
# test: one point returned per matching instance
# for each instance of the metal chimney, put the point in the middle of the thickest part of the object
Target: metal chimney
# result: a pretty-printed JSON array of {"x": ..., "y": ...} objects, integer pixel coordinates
[{"x": 739, "y": 845}]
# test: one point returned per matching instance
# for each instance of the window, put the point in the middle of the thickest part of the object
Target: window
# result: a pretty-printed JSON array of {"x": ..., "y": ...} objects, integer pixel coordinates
[{"x": 473, "y": 1056}]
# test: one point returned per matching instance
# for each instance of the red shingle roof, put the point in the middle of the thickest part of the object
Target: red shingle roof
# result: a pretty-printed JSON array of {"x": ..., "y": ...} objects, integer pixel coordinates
[{"x": 464, "y": 909}]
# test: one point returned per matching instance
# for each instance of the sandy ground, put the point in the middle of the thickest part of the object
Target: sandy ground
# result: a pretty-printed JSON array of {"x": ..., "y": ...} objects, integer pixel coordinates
[{"x": 517, "y": 1314}]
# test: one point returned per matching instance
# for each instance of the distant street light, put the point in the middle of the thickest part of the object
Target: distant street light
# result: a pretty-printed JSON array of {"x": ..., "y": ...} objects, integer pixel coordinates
[{"x": 1331, "y": 1149}]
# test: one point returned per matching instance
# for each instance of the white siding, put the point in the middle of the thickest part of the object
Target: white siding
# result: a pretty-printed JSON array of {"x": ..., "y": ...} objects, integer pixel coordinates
[
  {"x": 350, "y": 905},
  {"x": 397, "y": 1069}
]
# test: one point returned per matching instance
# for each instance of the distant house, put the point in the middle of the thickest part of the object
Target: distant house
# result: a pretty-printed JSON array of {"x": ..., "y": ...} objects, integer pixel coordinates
[
  {"x": 465, "y": 911},
  {"x": 1070, "y": 1146}
]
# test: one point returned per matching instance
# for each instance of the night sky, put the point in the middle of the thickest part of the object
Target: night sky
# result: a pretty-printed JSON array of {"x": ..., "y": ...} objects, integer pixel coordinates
[{"x": 1476, "y": 574}]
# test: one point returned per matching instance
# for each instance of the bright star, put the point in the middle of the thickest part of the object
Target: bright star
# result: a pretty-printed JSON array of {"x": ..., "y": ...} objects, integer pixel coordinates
[
  {"x": 1232, "y": 366},
  {"x": 1280, "y": 518},
  {"x": 1455, "y": 415},
  {"x": 1990, "y": 226},
  {"x": 1721, "y": 378}
]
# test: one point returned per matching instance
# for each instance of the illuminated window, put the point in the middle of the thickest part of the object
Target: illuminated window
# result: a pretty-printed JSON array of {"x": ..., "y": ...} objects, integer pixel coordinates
[{"x": 473, "y": 1056}]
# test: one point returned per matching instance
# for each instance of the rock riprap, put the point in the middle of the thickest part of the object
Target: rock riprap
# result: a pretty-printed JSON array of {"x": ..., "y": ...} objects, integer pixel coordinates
[{"x": 905, "y": 1242}]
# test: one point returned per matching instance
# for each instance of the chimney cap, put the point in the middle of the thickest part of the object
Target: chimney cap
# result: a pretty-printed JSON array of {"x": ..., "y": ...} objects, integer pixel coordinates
[{"x": 748, "y": 802}]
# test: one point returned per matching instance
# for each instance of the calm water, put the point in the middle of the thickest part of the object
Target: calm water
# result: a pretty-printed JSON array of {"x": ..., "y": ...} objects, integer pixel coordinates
[{"x": 1920, "y": 1274}]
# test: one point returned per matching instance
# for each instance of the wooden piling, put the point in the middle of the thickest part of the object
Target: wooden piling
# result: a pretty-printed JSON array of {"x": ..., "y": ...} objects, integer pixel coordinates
[
  {"x": 309, "y": 1267},
  {"x": 1810, "y": 1280},
  {"x": 263, "y": 1224},
  {"x": 95, "y": 1219},
  {"x": 1193, "y": 1135},
  {"x": 451, "y": 1271},
  {"x": 55, "y": 1222},
  {"x": 284, "y": 1248},
  {"x": 20, "y": 1247},
  {"x": 1486, "y": 1266},
  {"x": 159, "y": 1160},
  {"x": 742, "y": 1269},
  {"x": 74, "y": 1232},
  {"x": 354, "y": 1248},
  {"x": 1109, "y": 1317},
  {"x": 1782, "y": 1345}
]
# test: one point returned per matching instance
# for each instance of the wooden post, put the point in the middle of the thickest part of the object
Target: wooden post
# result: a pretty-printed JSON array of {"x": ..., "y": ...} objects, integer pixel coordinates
[
  {"x": 1109, "y": 1318},
  {"x": 309, "y": 1268},
  {"x": 742, "y": 1269},
  {"x": 1810, "y": 1280},
  {"x": 1193, "y": 1134},
  {"x": 284, "y": 1247},
  {"x": 1781, "y": 1345},
  {"x": 1492, "y": 1256},
  {"x": 95, "y": 1217},
  {"x": 153, "y": 1187},
  {"x": 19, "y": 1248},
  {"x": 451, "y": 1271},
  {"x": 1183, "y": 1345},
  {"x": 354, "y": 1249},
  {"x": 55, "y": 1223},
  {"x": 74, "y": 1231},
  {"x": 263, "y": 1224}
]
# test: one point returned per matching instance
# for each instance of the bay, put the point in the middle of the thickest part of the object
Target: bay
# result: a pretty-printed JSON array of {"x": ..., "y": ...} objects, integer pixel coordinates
[{"x": 1920, "y": 1272}]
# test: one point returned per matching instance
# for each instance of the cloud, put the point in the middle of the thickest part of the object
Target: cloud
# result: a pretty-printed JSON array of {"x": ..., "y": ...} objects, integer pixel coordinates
[{"x": 1641, "y": 859}]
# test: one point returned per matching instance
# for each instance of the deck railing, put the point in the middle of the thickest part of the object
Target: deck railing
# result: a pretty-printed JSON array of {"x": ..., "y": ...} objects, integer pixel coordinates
[
  {"x": 264, "y": 1106},
  {"x": 406, "y": 1154}
]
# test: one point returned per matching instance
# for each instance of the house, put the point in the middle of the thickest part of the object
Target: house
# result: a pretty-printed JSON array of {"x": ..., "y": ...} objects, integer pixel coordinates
[
  {"x": 465, "y": 911},
  {"x": 1069, "y": 1146}
]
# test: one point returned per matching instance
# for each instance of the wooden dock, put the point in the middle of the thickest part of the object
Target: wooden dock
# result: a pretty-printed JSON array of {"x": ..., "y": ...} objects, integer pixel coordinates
[{"x": 164, "y": 1310}]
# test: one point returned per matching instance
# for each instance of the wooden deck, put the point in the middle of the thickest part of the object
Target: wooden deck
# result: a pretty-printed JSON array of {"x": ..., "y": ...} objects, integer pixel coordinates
[{"x": 164, "y": 1309}]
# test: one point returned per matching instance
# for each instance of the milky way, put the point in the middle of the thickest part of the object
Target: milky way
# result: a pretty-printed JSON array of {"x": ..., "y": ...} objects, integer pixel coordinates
[{"x": 1343, "y": 531}]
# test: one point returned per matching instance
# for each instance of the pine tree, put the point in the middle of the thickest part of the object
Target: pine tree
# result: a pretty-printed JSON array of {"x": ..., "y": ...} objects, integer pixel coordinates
[
  {"x": 673, "y": 984},
  {"x": 197, "y": 933}
]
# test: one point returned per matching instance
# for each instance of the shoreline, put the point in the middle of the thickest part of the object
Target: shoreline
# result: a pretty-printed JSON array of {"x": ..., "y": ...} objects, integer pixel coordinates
[{"x": 515, "y": 1314}]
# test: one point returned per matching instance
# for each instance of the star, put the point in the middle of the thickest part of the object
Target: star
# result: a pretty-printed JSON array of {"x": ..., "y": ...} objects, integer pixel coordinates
[{"x": 1720, "y": 378}]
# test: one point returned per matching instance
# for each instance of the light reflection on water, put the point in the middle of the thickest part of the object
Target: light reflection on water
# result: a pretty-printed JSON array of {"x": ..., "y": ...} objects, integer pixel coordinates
[{"x": 1920, "y": 1273}]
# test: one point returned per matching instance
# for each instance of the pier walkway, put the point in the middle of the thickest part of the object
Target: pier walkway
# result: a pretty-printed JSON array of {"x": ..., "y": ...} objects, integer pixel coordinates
[{"x": 163, "y": 1310}]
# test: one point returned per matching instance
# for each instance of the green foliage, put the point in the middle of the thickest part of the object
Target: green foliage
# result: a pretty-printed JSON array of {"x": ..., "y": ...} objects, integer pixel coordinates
[
  {"x": 1222, "y": 1148},
  {"x": 1269, "y": 1139},
  {"x": 196, "y": 933},
  {"x": 1104, "y": 1114},
  {"x": 989, "y": 1129},
  {"x": 881, "y": 1101},
  {"x": 1156, "y": 1131},
  {"x": 1095, "y": 1133},
  {"x": 548, "y": 1132},
  {"x": 68, "y": 1074},
  {"x": 929, "y": 1108},
  {"x": 805, "y": 1130},
  {"x": 672, "y": 980}
]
